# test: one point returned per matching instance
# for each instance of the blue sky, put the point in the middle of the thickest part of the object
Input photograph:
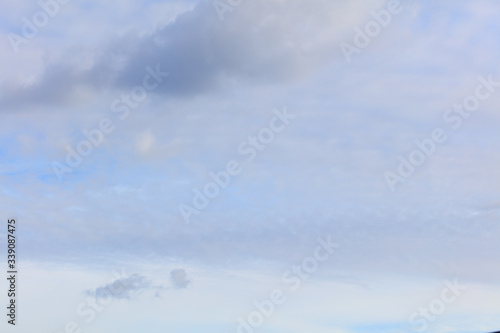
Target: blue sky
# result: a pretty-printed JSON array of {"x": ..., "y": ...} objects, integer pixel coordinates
[{"x": 324, "y": 174}]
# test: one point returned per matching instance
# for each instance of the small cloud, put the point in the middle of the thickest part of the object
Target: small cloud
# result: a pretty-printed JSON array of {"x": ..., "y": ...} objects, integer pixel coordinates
[
  {"x": 157, "y": 295},
  {"x": 179, "y": 278},
  {"x": 145, "y": 141},
  {"x": 121, "y": 288}
]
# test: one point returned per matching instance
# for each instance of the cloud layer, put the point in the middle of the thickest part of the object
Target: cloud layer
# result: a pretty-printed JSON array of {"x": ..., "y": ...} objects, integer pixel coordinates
[
  {"x": 261, "y": 41},
  {"x": 322, "y": 174}
]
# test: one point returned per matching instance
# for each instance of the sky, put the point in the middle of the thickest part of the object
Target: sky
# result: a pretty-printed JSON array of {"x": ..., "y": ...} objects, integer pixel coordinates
[{"x": 281, "y": 166}]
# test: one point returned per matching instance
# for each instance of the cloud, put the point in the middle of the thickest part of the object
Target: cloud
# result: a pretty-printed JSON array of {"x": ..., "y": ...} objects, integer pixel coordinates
[
  {"x": 260, "y": 41},
  {"x": 122, "y": 288},
  {"x": 145, "y": 141},
  {"x": 356, "y": 121},
  {"x": 179, "y": 280}
]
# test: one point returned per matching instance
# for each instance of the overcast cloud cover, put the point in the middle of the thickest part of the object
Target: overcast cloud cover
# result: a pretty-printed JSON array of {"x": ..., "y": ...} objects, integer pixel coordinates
[{"x": 115, "y": 218}]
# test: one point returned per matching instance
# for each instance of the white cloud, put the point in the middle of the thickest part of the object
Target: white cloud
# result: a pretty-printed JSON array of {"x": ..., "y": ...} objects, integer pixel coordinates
[{"x": 145, "y": 141}]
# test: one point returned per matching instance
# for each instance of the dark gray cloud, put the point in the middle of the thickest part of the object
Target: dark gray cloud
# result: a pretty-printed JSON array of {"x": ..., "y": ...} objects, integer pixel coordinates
[
  {"x": 257, "y": 42},
  {"x": 179, "y": 279},
  {"x": 122, "y": 288}
]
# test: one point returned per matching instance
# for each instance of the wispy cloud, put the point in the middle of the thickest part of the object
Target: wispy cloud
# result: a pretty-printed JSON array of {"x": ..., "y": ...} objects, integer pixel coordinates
[
  {"x": 179, "y": 279},
  {"x": 122, "y": 288}
]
